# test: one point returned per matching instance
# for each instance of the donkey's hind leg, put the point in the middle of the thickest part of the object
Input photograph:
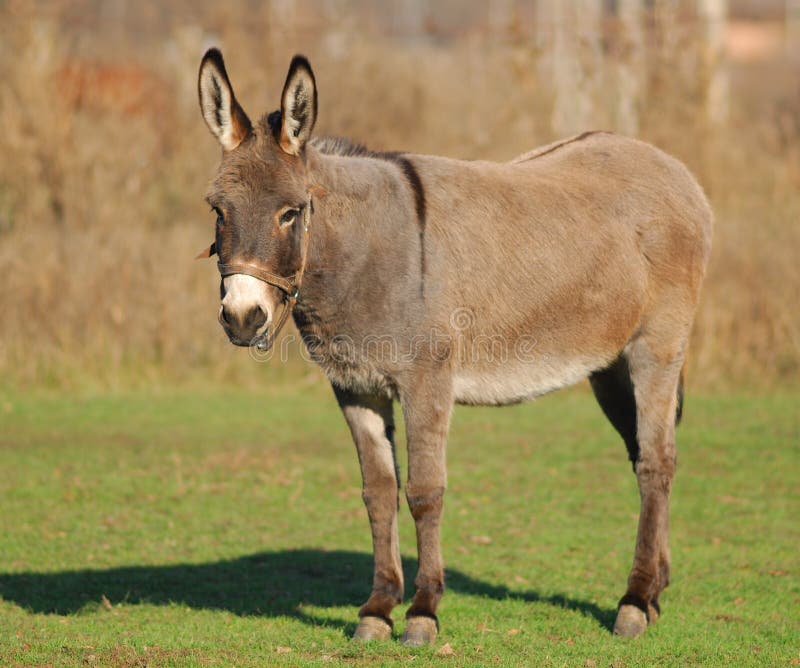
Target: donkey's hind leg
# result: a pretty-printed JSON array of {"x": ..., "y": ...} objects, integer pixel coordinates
[
  {"x": 372, "y": 425},
  {"x": 655, "y": 362}
]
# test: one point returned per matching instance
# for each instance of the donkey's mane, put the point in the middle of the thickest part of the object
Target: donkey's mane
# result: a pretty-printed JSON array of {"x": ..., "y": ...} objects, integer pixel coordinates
[
  {"x": 347, "y": 148},
  {"x": 330, "y": 144}
]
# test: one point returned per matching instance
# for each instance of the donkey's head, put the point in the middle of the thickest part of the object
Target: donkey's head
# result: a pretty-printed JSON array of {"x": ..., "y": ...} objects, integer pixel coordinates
[{"x": 260, "y": 196}]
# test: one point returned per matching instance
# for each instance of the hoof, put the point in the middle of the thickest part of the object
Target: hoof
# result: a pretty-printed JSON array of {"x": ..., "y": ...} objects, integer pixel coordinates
[
  {"x": 631, "y": 622},
  {"x": 420, "y": 631},
  {"x": 653, "y": 613},
  {"x": 372, "y": 628}
]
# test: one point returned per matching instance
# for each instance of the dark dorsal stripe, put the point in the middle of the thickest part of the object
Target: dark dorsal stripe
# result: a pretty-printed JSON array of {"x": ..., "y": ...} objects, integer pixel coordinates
[
  {"x": 414, "y": 180},
  {"x": 564, "y": 143}
]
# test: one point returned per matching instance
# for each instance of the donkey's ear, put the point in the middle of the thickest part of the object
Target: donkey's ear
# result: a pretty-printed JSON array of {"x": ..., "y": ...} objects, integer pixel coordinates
[
  {"x": 298, "y": 106},
  {"x": 224, "y": 117}
]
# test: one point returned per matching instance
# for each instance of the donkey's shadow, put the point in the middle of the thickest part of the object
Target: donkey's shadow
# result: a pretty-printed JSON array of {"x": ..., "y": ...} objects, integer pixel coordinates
[{"x": 267, "y": 583}]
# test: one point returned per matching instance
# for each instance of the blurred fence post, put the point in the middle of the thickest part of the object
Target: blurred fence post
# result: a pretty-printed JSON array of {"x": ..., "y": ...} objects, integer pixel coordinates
[
  {"x": 409, "y": 18},
  {"x": 793, "y": 29},
  {"x": 630, "y": 66},
  {"x": 283, "y": 13},
  {"x": 500, "y": 17},
  {"x": 569, "y": 35},
  {"x": 714, "y": 15}
]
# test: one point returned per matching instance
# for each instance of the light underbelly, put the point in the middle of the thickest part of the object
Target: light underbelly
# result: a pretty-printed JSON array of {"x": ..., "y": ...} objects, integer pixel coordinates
[{"x": 514, "y": 381}]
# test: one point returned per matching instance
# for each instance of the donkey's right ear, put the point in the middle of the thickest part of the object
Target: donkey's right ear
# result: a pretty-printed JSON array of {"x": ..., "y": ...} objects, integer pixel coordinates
[
  {"x": 224, "y": 117},
  {"x": 298, "y": 107}
]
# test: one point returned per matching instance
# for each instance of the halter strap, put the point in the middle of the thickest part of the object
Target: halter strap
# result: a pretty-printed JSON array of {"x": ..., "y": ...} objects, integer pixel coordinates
[
  {"x": 289, "y": 285},
  {"x": 285, "y": 283}
]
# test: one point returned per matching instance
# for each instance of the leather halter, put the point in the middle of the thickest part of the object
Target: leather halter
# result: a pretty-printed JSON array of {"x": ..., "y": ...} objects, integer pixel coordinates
[{"x": 289, "y": 285}]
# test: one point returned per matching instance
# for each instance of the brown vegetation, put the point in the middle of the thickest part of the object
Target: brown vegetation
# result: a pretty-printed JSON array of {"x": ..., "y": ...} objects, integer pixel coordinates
[{"x": 106, "y": 159}]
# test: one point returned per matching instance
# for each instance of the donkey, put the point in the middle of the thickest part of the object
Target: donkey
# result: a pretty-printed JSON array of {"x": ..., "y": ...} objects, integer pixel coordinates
[{"x": 580, "y": 259}]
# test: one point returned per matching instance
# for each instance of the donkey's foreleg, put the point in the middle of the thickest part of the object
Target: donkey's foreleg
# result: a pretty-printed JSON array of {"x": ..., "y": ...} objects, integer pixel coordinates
[
  {"x": 655, "y": 373},
  {"x": 427, "y": 409},
  {"x": 372, "y": 426}
]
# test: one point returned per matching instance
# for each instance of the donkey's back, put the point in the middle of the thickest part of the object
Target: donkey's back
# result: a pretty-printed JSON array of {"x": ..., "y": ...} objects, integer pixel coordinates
[{"x": 553, "y": 261}]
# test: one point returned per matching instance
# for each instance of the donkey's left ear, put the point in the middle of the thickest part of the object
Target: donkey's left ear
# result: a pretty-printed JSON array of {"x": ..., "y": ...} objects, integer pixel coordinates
[{"x": 298, "y": 106}]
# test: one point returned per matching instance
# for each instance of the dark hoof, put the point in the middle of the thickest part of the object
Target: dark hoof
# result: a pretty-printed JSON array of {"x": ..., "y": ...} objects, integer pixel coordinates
[
  {"x": 420, "y": 631},
  {"x": 631, "y": 622},
  {"x": 372, "y": 628}
]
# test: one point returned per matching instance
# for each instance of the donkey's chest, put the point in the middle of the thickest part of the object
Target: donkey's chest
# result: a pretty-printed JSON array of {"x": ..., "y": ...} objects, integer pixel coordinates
[
  {"x": 348, "y": 362},
  {"x": 362, "y": 377}
]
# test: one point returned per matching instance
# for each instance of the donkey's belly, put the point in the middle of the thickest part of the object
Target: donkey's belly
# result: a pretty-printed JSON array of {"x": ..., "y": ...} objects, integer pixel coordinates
[{"x": 516, "y": 380}]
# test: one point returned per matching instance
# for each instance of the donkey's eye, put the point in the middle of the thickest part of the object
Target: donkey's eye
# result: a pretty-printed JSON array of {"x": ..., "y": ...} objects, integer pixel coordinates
[{"x": 288, "y": 217}]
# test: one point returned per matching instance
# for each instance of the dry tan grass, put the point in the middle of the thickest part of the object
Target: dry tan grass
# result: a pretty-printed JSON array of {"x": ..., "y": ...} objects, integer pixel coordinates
[{"x": 106, "y": 159}]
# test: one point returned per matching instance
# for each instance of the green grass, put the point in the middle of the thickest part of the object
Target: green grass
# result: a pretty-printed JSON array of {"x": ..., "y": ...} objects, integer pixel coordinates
[{"x": 225, "y": 528}]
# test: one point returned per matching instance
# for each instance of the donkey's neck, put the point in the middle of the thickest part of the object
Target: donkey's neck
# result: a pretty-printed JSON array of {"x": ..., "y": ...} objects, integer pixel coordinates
[{"x": 363, "y": 236}]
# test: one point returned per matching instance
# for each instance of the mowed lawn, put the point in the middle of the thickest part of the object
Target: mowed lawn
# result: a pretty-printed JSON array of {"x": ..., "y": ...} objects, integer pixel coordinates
[{"x": 226, "y": 528}]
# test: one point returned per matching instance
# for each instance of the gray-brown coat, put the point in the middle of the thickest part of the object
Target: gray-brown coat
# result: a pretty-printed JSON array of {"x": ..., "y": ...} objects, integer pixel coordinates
[{"x": 432, "y": 281}]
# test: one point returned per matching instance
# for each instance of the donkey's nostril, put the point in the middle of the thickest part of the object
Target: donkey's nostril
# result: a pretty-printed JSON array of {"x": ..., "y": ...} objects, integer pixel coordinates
[
  {"x": 224, "y": 316},
  {"x": 255, "y": 317}
]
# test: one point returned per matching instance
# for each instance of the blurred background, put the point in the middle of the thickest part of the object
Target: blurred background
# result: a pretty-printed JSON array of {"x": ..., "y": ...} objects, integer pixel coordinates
[{"x": 106, "y": 157}]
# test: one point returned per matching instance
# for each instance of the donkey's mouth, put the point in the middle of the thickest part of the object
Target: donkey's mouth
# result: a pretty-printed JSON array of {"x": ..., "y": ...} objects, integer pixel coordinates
[{"x": 262, "y": 343}]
